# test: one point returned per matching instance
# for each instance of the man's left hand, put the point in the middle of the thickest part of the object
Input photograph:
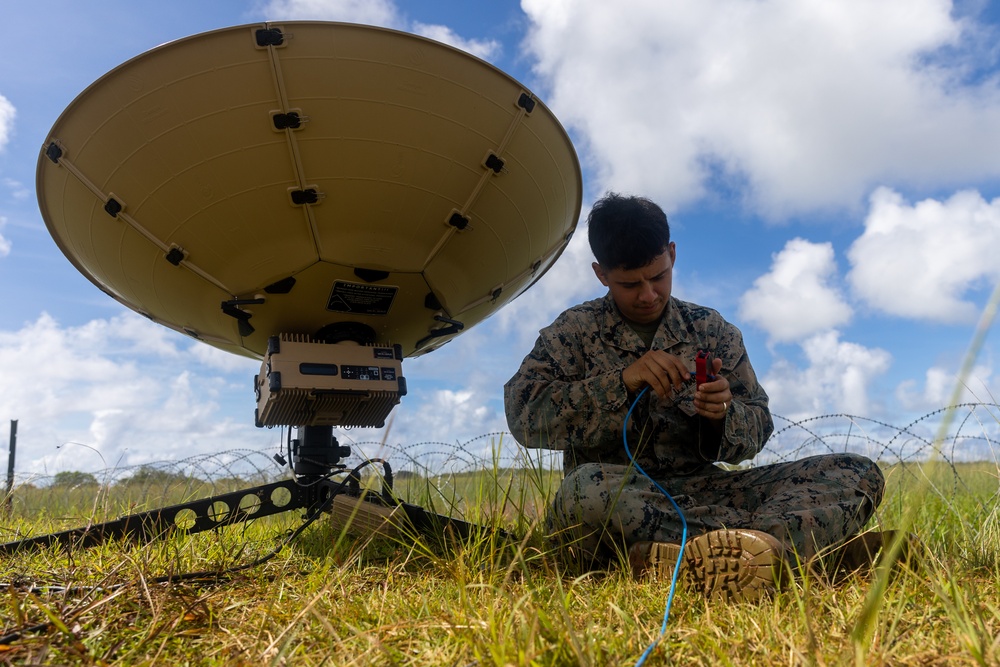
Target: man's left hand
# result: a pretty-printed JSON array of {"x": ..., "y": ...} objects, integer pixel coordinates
[{"x": 712, "y": 399}]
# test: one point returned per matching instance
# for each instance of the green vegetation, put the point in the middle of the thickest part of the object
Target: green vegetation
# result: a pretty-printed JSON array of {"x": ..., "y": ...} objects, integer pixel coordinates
[
  {"x": 74, "y": 478},
  {"x": 342, "y": 600}
]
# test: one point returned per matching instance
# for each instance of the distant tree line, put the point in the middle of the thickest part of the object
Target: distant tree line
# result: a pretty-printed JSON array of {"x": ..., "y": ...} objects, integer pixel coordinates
[
  {"x": 144, "y": 476},
  {"x": 152, "y": 476}
]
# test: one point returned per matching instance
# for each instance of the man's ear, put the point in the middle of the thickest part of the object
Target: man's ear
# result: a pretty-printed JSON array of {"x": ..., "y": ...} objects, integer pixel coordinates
[{"x": 599, "y": 272}]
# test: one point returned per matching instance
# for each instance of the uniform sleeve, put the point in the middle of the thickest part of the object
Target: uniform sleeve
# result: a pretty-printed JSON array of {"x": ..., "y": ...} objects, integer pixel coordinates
[
  {"x": 748, "y": 422},
  {"x": 562, "y": 397}
]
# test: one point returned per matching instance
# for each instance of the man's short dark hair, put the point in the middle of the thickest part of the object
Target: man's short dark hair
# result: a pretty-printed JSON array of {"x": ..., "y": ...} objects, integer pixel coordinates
[{"x": 627, "y": 232}]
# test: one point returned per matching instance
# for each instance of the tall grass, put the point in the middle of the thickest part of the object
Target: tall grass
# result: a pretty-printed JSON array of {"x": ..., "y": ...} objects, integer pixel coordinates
[
  {"x": 488, "y": 600},
  {"x": 865, "y": 627}
]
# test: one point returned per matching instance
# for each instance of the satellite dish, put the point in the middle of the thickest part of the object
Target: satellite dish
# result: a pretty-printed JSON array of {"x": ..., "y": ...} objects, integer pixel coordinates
[{"x": 323, "y": 179}]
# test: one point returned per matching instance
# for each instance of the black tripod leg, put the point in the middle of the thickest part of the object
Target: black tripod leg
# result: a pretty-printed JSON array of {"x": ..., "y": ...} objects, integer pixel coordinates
[
  {"x": 430, "y": 523},
  {"x": 186, "y": 518}
]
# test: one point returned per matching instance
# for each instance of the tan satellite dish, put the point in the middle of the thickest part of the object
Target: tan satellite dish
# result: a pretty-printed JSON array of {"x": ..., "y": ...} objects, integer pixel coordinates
[{"x": 305, "y": 177}]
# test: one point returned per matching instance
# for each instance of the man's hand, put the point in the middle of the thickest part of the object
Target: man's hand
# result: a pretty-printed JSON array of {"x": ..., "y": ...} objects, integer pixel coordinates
[
  {"x": 712, "y": 399},
  {"x": 661, "y": 371},
  {"x": 665, "y": 373}
]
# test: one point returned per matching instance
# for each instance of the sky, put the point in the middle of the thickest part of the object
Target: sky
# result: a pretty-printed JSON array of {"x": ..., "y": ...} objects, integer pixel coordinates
[{"x": 830, "y": 169}]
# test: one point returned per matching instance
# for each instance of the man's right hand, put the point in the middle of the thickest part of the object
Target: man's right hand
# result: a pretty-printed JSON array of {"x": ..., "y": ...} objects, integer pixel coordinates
[{"x": 661, "y": 371}]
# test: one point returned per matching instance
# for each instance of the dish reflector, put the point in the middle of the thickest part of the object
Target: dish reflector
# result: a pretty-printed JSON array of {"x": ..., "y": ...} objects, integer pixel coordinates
[{"x": 305, "y": 176}]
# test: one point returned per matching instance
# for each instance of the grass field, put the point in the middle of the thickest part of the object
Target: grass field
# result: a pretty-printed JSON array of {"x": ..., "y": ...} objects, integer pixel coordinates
[{"x": 332, "y": 599}]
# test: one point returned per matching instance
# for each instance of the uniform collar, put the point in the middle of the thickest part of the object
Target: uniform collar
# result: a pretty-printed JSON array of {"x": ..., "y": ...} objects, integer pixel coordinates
[{"x": 615, "y": 330}]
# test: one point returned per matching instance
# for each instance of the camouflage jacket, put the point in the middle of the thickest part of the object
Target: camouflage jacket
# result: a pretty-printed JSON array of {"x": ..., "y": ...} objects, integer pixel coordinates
[{"x": 568, "y": 393}]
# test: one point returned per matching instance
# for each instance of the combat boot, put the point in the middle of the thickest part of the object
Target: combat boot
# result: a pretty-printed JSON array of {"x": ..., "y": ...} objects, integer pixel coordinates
[
  {"x": 732, "y": 564},
  {"x": 866, "y": 550}
]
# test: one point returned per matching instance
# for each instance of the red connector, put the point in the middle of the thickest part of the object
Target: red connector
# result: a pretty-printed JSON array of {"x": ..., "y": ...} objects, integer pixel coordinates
[{"x": 703, "y": 368}]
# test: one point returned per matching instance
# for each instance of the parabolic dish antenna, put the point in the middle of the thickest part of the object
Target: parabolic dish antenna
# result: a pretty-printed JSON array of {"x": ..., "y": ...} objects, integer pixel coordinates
[{"x": 299, "y": 177}]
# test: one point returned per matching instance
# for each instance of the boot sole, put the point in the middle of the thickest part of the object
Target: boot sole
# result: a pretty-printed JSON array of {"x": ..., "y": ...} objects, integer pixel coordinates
[{"x": 733, "y": 565}]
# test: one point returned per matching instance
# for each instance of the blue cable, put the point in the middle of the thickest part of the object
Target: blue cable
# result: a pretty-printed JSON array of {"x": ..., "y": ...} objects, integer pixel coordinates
[{"x": 684, "y": 525}]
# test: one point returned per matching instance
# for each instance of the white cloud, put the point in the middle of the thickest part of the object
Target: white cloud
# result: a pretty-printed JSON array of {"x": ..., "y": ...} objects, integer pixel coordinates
[
  {"x": 567, "y": 282},
  {"x": 7, "y": 114},
  {"x": 371, "y": 12},
  {"x": 486, "y": 49},
  {"x": 438, "y": 425},
  {"x": 382, "y": 13},
  {"x": 451, "y": 411},
  {"x": 127, "y": 334},
  {"x": 214, "y": 358},
  {"x": 17, "y": 189},
  {"x": 939, "y": 388},
  {"x": 121, "y": 388},
  {"x": 921, "y": 260},
  {"x": 836, "y": 379},
  {"x": 809, "y": 104},
  {"x": 5, "y": 245},
  {"x": 59, "y": 370},
  {"x": 795, "y": 299}
]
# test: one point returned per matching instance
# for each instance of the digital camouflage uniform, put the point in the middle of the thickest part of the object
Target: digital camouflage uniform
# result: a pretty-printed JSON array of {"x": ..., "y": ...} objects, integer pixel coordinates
[{"x": 569, "y": 395}]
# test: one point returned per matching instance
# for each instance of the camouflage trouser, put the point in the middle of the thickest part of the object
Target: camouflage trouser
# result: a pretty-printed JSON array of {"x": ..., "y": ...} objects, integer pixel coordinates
[{"x": 809, "y": 505}]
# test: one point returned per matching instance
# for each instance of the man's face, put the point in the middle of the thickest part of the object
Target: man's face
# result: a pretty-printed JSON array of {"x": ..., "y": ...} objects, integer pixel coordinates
[{"x": 641, "y": 294}]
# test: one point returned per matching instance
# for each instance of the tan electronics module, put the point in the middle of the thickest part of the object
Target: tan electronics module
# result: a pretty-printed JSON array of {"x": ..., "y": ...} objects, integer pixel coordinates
[{"x": 307, "y": 383}]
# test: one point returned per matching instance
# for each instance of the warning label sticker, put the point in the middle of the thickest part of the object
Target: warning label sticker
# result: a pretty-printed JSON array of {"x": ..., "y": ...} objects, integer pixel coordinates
[{"x": 361, "y": 299}]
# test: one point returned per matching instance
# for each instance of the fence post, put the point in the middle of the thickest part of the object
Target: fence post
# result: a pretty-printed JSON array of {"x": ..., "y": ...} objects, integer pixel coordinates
[{"x": 9, "y": 502}]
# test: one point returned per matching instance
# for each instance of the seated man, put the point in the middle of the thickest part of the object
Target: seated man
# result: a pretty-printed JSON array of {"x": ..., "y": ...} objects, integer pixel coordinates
[{"x": 574, "y": 392}]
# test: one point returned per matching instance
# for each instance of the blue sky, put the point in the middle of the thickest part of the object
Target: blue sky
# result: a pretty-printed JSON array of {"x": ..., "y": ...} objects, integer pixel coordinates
[{"x": 831, "y": 172}]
